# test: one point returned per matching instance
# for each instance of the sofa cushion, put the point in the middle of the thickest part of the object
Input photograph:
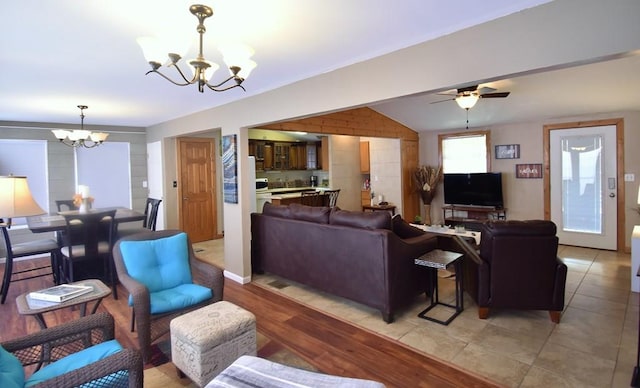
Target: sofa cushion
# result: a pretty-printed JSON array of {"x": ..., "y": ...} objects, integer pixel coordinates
[
  {"x": 364, "y": 220},
  {"x": 317, "y": 214},
  {"x": 403, "y": 229},
  {"x": 281, "y": 211},
  {"x": 11, "y": 371}
]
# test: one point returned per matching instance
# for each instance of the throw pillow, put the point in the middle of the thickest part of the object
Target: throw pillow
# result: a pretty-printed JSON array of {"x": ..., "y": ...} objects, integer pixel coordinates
[{"x": 403, "y": 229}]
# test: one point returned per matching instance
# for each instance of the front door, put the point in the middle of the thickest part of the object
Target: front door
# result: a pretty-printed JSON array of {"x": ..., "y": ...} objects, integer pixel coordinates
[
  {"x": 197, "y": 188},
  {"x": 584, "y": 186}
]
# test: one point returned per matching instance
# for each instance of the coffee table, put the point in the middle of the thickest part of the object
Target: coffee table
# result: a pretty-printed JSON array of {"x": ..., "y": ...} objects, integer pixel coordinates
[
  {"x": 439, "y": 259},
  {"x": 29, "y": 306}
]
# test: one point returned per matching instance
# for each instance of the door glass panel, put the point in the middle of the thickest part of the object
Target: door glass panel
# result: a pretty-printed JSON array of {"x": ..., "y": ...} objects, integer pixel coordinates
[{"x": 582, "y": 184}]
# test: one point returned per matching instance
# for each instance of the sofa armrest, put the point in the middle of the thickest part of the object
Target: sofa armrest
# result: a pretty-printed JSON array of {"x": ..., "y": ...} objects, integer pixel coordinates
[{"x": 560, "y": 283}]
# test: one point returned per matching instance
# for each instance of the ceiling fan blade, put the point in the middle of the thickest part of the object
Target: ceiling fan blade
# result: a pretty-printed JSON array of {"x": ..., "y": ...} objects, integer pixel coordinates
[
  {"x": 486, "y": 89},
  {"x": 448, "y": 99},
  {"x": 495, "y": 95},
  {"x": 469, "y": 89}
]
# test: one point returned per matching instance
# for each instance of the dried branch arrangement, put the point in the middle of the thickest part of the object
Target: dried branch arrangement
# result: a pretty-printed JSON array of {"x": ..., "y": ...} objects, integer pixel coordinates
[{"x": 426, "y": 179}]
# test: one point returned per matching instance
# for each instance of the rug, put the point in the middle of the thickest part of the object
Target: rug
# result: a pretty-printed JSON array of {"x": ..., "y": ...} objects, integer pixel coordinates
[{"x": 160, "y": 371}]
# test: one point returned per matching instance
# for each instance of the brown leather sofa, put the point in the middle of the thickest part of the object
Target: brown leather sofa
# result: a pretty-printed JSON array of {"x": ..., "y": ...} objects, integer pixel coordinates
[
  {"x": 516, "y": 267},
  {"x": 353, "y": 255}
]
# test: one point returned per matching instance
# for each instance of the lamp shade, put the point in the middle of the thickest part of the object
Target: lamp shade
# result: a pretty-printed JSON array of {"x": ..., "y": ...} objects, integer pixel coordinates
[
  {"x": 16, "y": 199},
  {"x": 467, "y": 102}
]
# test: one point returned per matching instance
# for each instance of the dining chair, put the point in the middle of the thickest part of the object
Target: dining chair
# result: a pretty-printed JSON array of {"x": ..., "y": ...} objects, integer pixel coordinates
[
  {"x": 89, "y": 241},
  {"x": 311, "y": 198},
  {"x": 164, "y": 279},
  {"x": 65, "y": 204},
  {"x": 26, "y": 249},
  {"x": 149, "y": 222},
  {"x": 331, "y": 197}
]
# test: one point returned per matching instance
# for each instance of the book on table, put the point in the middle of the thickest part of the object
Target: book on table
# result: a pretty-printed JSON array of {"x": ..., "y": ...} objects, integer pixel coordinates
[{"x": 60, "y": 293}]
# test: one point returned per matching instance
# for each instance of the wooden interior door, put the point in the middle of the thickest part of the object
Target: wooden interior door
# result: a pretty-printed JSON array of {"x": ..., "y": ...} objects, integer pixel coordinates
[{"x": 197, "y": 187}]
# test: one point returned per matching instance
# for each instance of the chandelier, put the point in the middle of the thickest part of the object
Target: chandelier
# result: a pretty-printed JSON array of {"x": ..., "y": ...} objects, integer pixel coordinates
[
  {"x": 80, "y": 137},
  {"x": 238, "y": 61}
]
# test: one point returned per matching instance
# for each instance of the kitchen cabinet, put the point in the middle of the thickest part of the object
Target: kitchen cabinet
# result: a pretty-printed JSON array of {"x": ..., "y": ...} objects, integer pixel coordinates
[
  {"x": 365, "y": 164},
  {"x": 365, "y": 197},
  {"x": 281, "y": 156}
]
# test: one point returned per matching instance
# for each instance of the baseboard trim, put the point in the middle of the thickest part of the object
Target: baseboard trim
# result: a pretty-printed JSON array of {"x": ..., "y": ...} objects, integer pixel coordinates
[{"x": 236, "y": 278}]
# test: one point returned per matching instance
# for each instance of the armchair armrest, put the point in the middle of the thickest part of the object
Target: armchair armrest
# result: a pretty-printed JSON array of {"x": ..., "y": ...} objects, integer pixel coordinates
[
  {"x": 126, "y": 360},
  {"x": 208, "y": 275},
  {"x": 62, "y": 340}
]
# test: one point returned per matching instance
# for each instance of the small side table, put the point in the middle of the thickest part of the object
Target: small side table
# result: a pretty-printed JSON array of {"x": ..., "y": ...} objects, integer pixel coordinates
[
  {"x": 28, "y": 306},
  {"x": 373, "y": 208},
  {"x": 439, "y": 259}
]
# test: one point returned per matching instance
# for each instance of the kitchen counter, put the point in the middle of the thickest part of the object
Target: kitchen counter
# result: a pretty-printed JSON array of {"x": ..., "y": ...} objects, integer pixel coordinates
[{"x": 289, "y": 190}]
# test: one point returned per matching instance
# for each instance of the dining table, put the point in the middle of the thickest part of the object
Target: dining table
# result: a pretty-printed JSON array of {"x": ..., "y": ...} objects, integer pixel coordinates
[{"x": 54, "y": 222}]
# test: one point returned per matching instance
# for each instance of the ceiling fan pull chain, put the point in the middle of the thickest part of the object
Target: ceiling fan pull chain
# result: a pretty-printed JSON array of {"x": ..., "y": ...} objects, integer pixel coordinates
[{"x": 467, "y": 117}]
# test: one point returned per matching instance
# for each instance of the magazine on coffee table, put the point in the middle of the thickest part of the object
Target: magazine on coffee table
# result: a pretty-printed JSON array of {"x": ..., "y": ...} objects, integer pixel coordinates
[{"x": 60, "y": 293}]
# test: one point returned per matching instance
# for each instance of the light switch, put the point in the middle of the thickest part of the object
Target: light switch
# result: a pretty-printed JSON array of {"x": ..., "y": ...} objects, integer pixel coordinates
[
  {"x": 629, "y": 177},
  {"x": 144, "y": 184}
]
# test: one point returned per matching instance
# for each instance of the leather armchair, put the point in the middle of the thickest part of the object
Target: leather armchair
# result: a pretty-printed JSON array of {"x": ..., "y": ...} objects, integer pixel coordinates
[{"x": 517, "y": 268}]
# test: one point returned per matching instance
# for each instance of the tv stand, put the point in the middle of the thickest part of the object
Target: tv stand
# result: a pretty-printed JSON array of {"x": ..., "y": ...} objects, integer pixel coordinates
[{"x": 471, "y": 217}]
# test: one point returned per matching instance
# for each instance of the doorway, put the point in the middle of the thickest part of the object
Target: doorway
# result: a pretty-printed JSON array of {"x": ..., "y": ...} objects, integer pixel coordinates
[
  {"x": 582, "y": 193},
  {"x": 197, "y": 188}
]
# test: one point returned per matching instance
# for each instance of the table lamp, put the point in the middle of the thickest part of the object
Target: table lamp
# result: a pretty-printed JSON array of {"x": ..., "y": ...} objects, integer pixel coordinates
[{"x": 16, "y": 199}]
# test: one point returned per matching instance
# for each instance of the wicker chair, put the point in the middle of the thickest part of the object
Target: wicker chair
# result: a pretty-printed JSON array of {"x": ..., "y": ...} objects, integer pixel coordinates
[
  {"x": 152, "y": 326},
  {"x": 48, "y": 346}
]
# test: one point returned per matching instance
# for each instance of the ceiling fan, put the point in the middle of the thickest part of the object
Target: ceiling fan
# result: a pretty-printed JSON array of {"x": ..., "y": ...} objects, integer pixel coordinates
[{"x": 468, "y": 96}]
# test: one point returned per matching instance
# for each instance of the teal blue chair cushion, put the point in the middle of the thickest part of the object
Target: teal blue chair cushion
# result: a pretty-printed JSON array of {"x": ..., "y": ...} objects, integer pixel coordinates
[
  {"x": 177, "y": 298},
  {"x": 11, "y": 371},
  {"x": 163, "y": 266},
  {"x": 159, "y": 264},
  {"x": 75, "y": 361}
]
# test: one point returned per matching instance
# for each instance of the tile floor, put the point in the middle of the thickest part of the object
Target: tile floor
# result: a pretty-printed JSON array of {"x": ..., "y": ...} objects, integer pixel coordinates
[{"x": 595, "y": 344}]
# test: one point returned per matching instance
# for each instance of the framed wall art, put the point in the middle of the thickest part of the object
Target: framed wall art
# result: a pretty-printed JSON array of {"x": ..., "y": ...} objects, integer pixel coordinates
[
  {"x": 230, "y": 172},
  {"x": 508, "y": 151},
  {"x": 529, "y": 170}
]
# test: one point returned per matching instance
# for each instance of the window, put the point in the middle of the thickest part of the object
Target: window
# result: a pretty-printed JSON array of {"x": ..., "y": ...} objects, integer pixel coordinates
[
  {"x": 106, "y": 171},
  {"x": 27, "y": 158},
  {"x": 465, "y": 152}
]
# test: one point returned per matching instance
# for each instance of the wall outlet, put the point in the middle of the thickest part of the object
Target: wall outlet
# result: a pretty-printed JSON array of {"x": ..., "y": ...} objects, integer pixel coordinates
[{"x": 629, "y": 177}]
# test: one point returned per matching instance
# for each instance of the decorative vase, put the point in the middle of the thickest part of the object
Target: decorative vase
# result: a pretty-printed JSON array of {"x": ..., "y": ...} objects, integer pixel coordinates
[
  {"x": 427, "y": 214},
  {"x": 85, "y": 205}
]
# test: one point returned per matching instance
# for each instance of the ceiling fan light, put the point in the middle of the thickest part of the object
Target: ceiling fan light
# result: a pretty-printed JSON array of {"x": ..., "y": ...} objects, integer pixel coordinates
[{"x": 467, "y": 102}]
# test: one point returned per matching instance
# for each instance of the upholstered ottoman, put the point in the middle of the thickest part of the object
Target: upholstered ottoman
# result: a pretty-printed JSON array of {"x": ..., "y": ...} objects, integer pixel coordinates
[{"x": 206, "y": 341}]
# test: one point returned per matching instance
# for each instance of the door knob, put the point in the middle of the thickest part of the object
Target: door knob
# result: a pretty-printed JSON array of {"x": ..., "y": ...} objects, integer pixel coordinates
[{"x": 612, "y": 195}]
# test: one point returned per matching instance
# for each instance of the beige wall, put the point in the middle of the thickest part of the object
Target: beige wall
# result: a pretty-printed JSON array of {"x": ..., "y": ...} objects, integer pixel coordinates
[
  {"x": 524, "y": 198},
  {"x": 344, "y": 171},
  {"x": 386, "y": 171}
]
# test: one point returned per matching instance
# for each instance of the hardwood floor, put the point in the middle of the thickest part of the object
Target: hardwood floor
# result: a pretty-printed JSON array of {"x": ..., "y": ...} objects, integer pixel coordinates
[{"x": 331, "y": 345}]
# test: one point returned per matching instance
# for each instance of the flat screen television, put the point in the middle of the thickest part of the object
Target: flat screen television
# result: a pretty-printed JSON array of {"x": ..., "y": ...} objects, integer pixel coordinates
[{"x": 476, "y": 189}]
